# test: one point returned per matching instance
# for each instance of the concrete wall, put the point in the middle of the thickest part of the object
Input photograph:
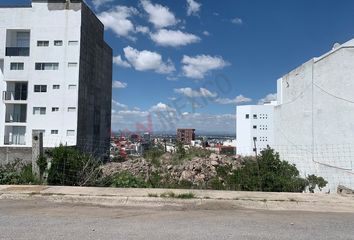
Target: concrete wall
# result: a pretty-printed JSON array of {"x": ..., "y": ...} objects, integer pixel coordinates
[
  {"x": 95, "y": 86},
  {"x": 314, "y": 123},
  {"x": 10, "y": 154}
]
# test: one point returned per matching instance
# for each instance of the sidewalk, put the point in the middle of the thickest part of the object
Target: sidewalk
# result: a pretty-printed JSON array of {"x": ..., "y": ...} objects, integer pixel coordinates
[{"x": 203, "y": 199}]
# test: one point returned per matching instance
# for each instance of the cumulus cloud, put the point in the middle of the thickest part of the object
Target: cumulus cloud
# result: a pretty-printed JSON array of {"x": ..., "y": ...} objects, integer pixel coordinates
[
  {"x": 189, "y": 92},
  {"x": 206, "y": 33},
  {"x": 118, "y": 20},
  {"x": 236, "y": 100},
  {"x": 160, "y": 16},
  {"x": 142, "y": 29},
  {"x": 237, "y": 21},
  {"x": 161, "y": 107},
  {"x": 173, "y": 38},
  {"x": 197, "y": 67},
  {"x": 147, "y": 60},
  {"x": 116, "y": 105},
  {"x": 120, "y": 62},
  {"x": 193, "y": 7},
  {"x": 270, "y": 97},
  {"x": 99, "y": 3},
  {"x": 118, "y": 84}
]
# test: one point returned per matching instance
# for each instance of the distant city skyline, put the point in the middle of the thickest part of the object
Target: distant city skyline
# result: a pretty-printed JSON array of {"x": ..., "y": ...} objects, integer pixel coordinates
[{"x": 188, "y": 63}]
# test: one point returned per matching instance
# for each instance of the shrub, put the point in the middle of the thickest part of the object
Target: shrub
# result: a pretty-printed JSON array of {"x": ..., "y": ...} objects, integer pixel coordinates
[
  {"x": 15, "y": 173},
  {"x": 72, "y": 168},
  {"x": 127, "y": 180}
]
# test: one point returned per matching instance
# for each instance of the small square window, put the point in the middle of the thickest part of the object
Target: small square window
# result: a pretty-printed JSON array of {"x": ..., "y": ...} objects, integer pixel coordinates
[
  {"x": 56, "y": 86},
  {"x": 40, "y": 88},
  {"x": 58, "y": 43},
  {"x": 39, "y": 111},
  {"x": 72, "y": 64},
  {"x": 254, "y": 116},
  {"x": 16, "y": 66},
  {"x": 42, "y": 43},
  {"x": 70, "y": 133},
  {"x": 71, "y": 109},
  {"x": 54, "y": 132},
  {"x": 254, "y": 126},
  {"x": 247, "y": 116},
  {"x": 72, "y": 87},
  {"x": 73, "y": 43},
  {"x": 55, "y": 109}
]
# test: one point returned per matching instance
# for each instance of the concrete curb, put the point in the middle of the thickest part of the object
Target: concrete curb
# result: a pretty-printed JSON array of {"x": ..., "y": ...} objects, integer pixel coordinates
[{"x": 204, "y": 199}]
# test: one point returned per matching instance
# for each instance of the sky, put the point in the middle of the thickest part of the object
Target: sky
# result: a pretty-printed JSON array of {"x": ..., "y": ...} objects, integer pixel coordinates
[{"x": 189, "y": 63}]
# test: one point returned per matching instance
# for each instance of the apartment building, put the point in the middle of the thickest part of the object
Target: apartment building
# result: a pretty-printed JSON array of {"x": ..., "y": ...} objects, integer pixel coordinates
[
  {"x": 185, "y": 135},
  {"x": 254, "y": 128},
  {"x": 55, "y": 76}
]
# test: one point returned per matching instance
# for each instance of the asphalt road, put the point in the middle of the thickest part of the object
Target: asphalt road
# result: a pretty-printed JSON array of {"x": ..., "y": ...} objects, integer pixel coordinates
[{"x": 45, "y": 220}]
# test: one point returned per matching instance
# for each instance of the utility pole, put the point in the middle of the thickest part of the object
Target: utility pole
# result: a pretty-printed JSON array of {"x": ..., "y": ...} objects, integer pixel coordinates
[{"x": 37, "y": 151}]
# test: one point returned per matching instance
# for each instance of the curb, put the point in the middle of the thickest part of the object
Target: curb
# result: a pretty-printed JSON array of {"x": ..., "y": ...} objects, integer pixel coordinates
[{"x": 204, "y": 199}]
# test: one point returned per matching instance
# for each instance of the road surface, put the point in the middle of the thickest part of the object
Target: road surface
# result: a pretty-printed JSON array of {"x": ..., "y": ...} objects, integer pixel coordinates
[{"x": 39, "y": 220}]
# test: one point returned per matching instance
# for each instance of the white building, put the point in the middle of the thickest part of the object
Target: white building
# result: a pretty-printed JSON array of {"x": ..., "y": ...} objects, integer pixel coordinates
[
  {"x": 314, "y": 121},
  {"x": 254, "y": 128},
  {"x": 55, "y": 76}
]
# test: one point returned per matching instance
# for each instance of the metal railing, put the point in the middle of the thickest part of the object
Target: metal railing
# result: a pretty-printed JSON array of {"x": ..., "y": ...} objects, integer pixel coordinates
[
  {"x": 14, "y": 95},
  {"x": 17, "y": 51}
]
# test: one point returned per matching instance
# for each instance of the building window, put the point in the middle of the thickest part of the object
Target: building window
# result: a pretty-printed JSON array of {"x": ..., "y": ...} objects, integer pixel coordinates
[
  {"x": 39, "y": 111},
  {"x": 54, "y": 132},
  {"x": 247, "y": 116},
  {"x": 72, "y": 87},
  {"x": 254, "y": 126},
  {"x": 73, "y": 43},
  {"x": 16, "y": 66},
  {"x": 58, "y": 43},
  {"x": 72, "y": 64},
  {"x": 71, "y": 109},
  {"x": 47, "y": 66},
  {"x": 70, "y": 133},
  {"x": 254, "y": 116},
  {"x": 42, "y": 43},
  {"x": 56, "y": 86},
  {"x": 55, "y": 109},
  {"x": 40, "y": 88}
]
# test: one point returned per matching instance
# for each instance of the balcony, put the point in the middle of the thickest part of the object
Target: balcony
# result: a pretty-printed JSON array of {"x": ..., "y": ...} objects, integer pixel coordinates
[
  {"x": 17, "y": 51},
  {"x": 15, "y": 135},
  {"x": 14, "y": 95},
  {"x": 16, "y": 113}
]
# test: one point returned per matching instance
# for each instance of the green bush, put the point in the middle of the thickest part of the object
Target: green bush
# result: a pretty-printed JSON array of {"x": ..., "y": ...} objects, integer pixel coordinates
[
  {"x": 127, "y": 180},
  {"x": 15, "y": 173},
  {"x": 72, "y": 168}
]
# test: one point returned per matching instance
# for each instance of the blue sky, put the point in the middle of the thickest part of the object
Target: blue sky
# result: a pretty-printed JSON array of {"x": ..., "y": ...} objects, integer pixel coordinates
[{"x": 189, "y": 63}]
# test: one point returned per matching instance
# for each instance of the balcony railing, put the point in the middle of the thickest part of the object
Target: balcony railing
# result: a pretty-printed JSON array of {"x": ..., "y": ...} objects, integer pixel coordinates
[
  {"x": 15, "y": 118},
  {"x": 17, "y": 51},
  {"x": 19, "y": 141},
  {"x": 14, "y": 95}
]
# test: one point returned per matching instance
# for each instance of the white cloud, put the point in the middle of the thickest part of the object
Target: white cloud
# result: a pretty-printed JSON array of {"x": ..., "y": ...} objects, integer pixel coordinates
[
  {"x": 161, "y": 107},
  {"x": 159, "y": 15},
  {"x": 268, "y": 98},
  {"x": 236, "y": 100},
  {"x": 206, "y": 33},
  {"x": 142, "y": 29},
  {"x": 173, "y": 38},
  {"x": 237, "y": 21},
  {"x": 118, "y": 84},
  {"x": 120, "y": 62},
  {"x": 193, "y": 7},
  {"x": 147, "y": 60},
  {"x": 197, "y": 67},
  {"x": 118, "y": 20},
  {"x": 189, "y": 92},
  {"x": 99, "y": 3},
  {"x": 118, "y": 105}
]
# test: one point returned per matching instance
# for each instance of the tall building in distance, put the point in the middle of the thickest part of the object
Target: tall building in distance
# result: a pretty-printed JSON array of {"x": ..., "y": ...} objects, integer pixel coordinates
[
  {"x": 55, "y": 76},
  {"x": 185, "y": 135},
  {"x": 254, "y": 128}
]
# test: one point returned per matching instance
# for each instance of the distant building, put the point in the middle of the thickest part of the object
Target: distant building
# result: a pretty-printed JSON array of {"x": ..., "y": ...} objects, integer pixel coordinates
[
  {"x": 254, "y": 128},
  {"x": 55, "y": 76},
  {"x": 185, "y": 135}
]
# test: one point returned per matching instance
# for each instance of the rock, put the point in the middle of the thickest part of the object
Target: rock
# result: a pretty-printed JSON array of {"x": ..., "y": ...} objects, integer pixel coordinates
[
  {"x": 169, "y": 167},
  {"x": 214, "y": 163}
]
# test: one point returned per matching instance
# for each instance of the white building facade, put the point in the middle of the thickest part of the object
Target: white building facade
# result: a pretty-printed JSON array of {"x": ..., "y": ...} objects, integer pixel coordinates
[
  {"x": 314, "y": 118},
  {"x": 55, "y": 76},
  {"x": 254, "y": 128}
]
